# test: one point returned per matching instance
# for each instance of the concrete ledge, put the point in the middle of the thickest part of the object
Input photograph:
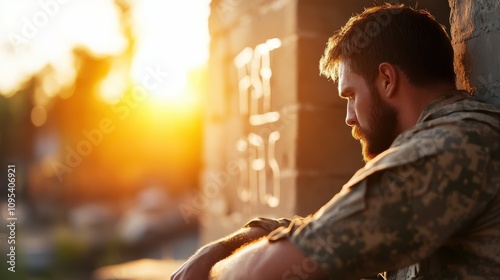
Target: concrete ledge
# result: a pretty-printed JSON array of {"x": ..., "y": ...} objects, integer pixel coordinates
[{"x": 145, "y": 269}]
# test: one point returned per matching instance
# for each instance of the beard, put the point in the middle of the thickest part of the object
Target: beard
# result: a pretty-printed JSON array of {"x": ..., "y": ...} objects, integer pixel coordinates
[{"x": 381, "y": 130}]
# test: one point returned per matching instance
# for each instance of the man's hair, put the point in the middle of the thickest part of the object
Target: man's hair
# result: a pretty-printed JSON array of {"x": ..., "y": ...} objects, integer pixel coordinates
[{"x": 408, "y": 38}]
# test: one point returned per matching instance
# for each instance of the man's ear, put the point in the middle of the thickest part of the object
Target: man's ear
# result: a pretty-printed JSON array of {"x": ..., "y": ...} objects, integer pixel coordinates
[{"x": 388, "y": 78}]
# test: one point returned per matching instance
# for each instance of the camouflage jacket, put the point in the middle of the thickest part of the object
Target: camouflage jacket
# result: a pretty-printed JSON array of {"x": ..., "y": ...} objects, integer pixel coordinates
[{"x": 427, "y": 208}]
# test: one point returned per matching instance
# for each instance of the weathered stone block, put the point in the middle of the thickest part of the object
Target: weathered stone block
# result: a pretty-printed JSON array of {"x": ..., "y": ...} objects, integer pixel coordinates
[
  {"x": 315, "y": 191},
  {"x": 325, "y": 144},
  {"x": 476, "y": 39},
  {"x": 313, "y": 88},
  {"x": 214, "y": 144}
]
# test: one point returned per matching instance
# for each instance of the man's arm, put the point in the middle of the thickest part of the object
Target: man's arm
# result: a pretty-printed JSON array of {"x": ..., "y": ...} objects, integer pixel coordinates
[
  {"x": 198, "y": 266},
  {"x": 264, "y": 260}
]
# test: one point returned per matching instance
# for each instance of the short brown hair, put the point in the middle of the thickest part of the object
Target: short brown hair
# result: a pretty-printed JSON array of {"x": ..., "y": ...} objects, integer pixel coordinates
[{"x": 409, "y": 38}]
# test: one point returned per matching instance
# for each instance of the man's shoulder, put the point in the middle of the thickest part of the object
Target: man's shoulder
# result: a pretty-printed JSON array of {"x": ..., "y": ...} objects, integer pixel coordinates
[
  {"x": 462, "y": 110},
  {"x": 429, "y": 148},
  {"x": 466, "y": 121}
]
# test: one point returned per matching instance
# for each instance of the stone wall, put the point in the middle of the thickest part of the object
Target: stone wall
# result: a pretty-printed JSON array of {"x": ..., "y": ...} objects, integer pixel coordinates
[{"x": 475, "y": 30}]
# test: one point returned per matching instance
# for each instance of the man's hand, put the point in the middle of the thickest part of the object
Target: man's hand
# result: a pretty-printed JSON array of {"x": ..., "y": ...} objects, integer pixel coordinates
[{"x": 198, "y": 266}]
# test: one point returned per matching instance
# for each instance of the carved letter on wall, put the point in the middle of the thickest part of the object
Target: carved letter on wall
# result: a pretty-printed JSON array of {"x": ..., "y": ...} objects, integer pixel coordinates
[{"x": 259, "y": 168}]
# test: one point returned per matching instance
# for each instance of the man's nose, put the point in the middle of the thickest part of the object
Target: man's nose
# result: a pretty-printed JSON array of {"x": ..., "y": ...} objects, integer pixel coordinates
[{"x": 350, "y": 117}]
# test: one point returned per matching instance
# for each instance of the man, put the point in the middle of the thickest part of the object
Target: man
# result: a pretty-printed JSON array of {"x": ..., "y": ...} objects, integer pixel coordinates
[{"x": 427, "y": 203}]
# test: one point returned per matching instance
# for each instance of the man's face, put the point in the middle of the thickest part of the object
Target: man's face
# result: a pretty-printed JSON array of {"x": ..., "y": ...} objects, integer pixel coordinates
[{"x": 373, "y": 121}]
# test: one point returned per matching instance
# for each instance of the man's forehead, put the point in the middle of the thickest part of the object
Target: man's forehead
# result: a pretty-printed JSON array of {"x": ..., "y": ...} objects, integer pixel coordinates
[
  {"x": 343, "y": 68},
  {"x": 348, "y": 79}
]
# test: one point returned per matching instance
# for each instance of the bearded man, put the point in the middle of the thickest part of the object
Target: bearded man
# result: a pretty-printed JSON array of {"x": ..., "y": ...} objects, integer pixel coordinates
[{"x": 427, "y": 203}]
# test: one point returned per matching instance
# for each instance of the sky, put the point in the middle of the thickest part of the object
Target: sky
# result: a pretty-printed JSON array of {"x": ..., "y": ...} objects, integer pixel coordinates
[{"x": 171, "y": 35}]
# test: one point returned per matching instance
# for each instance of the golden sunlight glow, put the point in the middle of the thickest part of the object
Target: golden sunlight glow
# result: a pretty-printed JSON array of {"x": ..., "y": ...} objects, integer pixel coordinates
[
  {"x": 101, "y": 105},
  {"x": 112, "y": 88},
  {"x": 114, "y": 85},
  {"x": 38, "y": 115},
  {"x": 172, "y": 41},
  {"x": 103, "y": 76},
  {"x": 173, "y": 91}
]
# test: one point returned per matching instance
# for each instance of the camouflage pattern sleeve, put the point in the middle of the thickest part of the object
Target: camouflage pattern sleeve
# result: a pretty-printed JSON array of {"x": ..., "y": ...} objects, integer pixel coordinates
[{"x": 399, "y": 209}]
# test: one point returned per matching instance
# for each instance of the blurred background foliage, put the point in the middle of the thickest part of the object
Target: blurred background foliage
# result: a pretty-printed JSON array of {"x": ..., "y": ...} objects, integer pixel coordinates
[{"x": 101, "y": 106}]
